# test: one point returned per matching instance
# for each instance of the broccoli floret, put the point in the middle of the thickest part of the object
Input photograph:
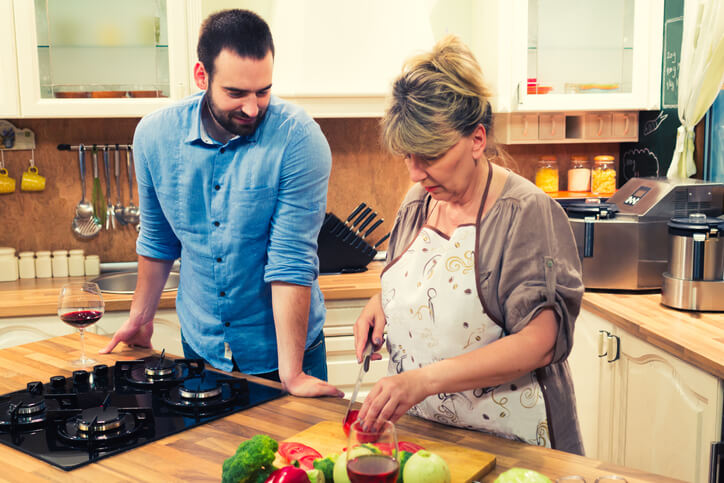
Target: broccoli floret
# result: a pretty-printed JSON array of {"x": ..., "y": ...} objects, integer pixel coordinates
[
  {"x": 252, "y": 461},
  {"x": 326, "y": 466},
  {"x": 402, "y": 458}
]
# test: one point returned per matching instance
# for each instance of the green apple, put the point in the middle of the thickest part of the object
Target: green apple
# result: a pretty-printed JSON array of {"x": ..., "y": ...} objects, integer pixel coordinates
[
  {"x": 340, "y": 466},
  {"x": 521, "y": 475},
  {"x": 425, "y": 467}
]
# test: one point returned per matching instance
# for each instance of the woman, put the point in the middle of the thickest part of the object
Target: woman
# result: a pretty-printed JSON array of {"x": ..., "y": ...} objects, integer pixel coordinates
[{"x": 483, "y": 284}]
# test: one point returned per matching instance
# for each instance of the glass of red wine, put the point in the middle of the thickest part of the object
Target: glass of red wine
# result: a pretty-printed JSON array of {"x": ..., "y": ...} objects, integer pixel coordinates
[
  {"x": 372, "y": 454},
  {"x": 80, "y": 305}
]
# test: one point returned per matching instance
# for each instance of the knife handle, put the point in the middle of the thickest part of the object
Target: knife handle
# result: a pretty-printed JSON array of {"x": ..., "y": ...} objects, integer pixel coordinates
[
  {"x": 372, "y": 228},
  {"x": 354, "y": 213},
  {"x": 379, "y": 242},
  {"x": 361, "y": 217},
  {"x": 365, "y": 223}
]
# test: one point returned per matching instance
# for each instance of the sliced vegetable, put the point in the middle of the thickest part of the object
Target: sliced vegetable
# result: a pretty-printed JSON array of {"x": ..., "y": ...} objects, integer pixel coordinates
[
  {"x": 408, "y": 446},
  {"x": 300, "y": 452},
  {"x": 351, "y": 418}
]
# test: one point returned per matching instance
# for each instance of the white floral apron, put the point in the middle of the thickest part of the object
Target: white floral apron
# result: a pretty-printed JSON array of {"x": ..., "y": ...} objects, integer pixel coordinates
[{"x": 433, "y": 312}]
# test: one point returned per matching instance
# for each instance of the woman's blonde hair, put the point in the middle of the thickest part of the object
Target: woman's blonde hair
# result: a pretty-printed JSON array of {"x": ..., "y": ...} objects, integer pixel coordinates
[{"x": 439, "y": 98}]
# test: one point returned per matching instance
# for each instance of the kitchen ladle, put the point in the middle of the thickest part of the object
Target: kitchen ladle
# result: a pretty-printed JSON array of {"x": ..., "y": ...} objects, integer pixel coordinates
[
  {"x": 118, "y": 207},
  {"x": 130, "y": 212},
  {"x": 84, "y": 224}
]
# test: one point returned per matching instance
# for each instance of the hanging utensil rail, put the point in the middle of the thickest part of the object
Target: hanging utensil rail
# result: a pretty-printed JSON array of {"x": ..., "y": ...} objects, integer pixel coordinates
[{"x": 73, "y": 147}]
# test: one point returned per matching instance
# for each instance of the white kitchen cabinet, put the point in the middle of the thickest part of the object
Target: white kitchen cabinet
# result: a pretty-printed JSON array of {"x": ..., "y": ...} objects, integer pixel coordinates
[
  {"x": 567, "y": 127},
  {"x": 641, "y": 407},
  {"x": 337, "y": 58},
  {"x": 575, "y": 56},
  {"x": 9, "y": 102},
  {"x": 99, "y": 58}
]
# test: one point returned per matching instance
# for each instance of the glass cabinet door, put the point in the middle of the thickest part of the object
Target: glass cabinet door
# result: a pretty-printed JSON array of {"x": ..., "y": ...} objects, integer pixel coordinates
[
  {"x": 100, "y": 53},
  {"x": 592, "y": 54},
  {"x": 9, "y": 106}
]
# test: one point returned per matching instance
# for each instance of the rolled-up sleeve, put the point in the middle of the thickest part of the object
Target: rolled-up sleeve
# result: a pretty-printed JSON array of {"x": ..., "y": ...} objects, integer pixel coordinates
[
  {"x": 156, "y": 238},
  {"x": 540, "y": 269},
  {"x": 300, "y": 209}
]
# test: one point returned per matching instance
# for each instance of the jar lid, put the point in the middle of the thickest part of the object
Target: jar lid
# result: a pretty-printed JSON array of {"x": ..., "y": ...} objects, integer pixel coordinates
[
  {"x": 26, "y": 254},
  {"x": 579, "y": 157},
  {"x": 76, "y": 251},
  {"x": 7, "y": 251},
  {"x": 42, "y": 253},
  {"x": 603, "y": 158},
  {"x": 696, "y": 223},
  {"x": 60, "y": 252},
  {"x": 548, "y": 157},
  {"x": 600, "y": 211}
]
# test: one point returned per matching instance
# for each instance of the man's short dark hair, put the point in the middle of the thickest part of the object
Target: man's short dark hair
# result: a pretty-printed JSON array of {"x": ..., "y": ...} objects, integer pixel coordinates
[{"x": 242, "y": 31}]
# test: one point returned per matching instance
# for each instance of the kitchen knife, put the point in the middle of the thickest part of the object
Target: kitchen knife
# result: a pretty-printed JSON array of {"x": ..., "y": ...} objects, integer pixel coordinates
[
  {"x": 372, "y": 228},
  {"x": 379, "y": 242},
  {"x": 351, "y": 215},
  {"x": 349, "y": 229},
  {"x": 364, "y": 367},
  {"x": 359, "y": 228}
]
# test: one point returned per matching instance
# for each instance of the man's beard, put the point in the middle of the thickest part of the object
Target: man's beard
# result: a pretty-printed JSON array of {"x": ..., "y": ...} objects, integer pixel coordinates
[{"x": 225, "y": 118}]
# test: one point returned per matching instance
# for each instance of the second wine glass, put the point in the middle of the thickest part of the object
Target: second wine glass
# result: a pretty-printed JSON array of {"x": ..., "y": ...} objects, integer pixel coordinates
[
  {"x": 80, "y": 305},
  {"x": 366, "y": 467}
]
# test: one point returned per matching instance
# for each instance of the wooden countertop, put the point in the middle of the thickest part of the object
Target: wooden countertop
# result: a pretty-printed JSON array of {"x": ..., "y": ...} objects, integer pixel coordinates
[
  {"x": 695, "y": 337},
  {"x": 198, "y": 454}
]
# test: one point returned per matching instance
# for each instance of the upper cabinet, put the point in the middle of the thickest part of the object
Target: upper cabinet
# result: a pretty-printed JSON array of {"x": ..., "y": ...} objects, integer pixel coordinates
[
  {"x": 568, "y": 55},
  {"x": 91, "y": 58},
  {"x": 9, "y": 104}
]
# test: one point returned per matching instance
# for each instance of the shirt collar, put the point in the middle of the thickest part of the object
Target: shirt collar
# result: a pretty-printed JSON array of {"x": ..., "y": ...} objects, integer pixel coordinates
[{"x": 198, "y": 132}]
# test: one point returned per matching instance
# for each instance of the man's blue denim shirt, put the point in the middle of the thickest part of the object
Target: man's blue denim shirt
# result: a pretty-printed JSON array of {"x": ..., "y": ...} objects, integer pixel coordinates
[{"x": 240, "y": 215}]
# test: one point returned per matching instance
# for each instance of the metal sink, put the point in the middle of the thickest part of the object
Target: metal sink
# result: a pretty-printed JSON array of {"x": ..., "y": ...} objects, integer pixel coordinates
[{"x": 125, "y": 282}]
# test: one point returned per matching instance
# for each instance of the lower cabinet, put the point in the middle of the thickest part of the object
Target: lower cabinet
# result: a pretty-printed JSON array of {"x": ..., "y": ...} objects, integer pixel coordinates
[
  {"x": 641, "y": 407},
  {"x": 23, "y": 330},
  {"x": 166, "y": 329},
  {"x": 342, "y": 363}
]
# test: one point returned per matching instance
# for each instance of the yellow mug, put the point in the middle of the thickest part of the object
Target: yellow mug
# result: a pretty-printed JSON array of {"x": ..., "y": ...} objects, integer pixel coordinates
[
  {"x": 7, "y": 184},
  {"x": 32, "y": 181}
]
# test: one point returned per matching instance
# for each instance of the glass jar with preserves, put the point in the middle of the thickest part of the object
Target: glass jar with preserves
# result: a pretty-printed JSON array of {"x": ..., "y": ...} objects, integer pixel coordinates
[
  {"x": 546, "y": 174},
  {"x": 579, "y": 174},
  {"x": 603, "y": 176}
]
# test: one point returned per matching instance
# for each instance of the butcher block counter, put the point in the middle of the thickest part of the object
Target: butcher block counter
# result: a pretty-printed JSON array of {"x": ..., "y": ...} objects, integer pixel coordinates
[{"x": 198, "y": 454}]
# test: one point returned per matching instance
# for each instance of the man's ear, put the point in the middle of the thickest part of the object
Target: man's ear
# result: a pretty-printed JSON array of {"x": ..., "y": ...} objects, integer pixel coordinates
[{"x": 201, "y": 76}]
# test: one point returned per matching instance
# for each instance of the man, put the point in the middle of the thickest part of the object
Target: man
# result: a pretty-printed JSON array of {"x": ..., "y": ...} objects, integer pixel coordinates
[{"x": 234, "y": 181}]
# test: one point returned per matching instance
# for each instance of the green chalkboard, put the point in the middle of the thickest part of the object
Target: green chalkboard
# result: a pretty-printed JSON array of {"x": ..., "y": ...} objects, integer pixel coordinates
[{"x": 673, "y": 30}]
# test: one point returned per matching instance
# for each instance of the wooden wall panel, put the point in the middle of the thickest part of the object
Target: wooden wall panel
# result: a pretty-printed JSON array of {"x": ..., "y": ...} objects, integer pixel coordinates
[{"x": 361, "y": 171}]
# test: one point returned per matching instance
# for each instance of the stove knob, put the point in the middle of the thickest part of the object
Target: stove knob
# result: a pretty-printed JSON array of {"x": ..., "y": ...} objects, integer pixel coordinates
[
  {"x": 35, "y": 387},
  {"x": 100, "y": 374},
  {"x": 57, "y": 383},
  {"x": 80, "y": 378}
]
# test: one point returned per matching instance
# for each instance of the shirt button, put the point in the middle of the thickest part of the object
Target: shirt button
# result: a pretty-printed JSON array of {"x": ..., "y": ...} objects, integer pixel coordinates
[
  {"x": 226, "y": 324},
  {"x": 222, "y": 293},
  {"x": 218, "y": 259},
  {"x": 222, "y": 150},
  {"x": 217, "y": 187},
  {"x": 216, "y": 223}
]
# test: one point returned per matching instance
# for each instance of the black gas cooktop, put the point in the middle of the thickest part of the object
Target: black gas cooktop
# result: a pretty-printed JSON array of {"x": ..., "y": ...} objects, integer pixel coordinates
[{"x": 72, "y": 421}]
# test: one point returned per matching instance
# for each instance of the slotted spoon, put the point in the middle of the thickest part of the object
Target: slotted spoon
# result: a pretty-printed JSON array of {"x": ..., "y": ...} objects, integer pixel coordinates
[{"x": 84, "y": 224}]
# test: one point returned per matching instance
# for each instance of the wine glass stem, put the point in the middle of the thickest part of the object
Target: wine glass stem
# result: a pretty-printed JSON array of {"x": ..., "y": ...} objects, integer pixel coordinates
[{"x": 82, "y": 346}]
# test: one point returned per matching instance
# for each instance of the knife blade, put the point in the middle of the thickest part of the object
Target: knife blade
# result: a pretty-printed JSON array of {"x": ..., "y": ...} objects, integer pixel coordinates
[{"x": 364, "y": 367}]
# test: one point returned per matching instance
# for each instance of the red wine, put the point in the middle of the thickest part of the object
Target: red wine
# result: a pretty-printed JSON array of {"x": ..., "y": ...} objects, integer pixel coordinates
[
  {"x": 81, "y": 318},
  {"x": 372, "y": 468}
]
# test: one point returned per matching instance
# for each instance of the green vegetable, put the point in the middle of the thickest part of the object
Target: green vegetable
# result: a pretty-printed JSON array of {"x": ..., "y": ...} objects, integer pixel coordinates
[
  {"x": 252, "y": 461},
  {"x": 521, "y": 475},
  {"x": 402, "y": 458},
  {"x": 316, "y": 476},
  {"x": 372, "y": 448},
  {"x": 326, "y": 466}
]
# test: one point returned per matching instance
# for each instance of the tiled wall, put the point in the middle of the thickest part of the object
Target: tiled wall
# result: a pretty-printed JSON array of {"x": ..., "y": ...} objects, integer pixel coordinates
[{"x": 361, "y": 171}]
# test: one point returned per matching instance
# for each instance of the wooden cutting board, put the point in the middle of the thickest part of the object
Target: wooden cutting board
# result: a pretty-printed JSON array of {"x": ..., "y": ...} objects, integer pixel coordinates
[{"x": 465, "y": 464}]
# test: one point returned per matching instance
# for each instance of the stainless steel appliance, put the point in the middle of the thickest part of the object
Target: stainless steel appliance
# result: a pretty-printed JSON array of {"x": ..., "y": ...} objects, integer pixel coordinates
[
  {"x": 623, "y": 243},
  {"x": 695, "y": 279},
  {"x": 69, "y": 422}
]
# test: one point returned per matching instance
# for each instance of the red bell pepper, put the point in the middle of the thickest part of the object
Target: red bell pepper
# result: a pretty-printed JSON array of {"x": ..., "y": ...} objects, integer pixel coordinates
[{"x": 288, "y": 474}]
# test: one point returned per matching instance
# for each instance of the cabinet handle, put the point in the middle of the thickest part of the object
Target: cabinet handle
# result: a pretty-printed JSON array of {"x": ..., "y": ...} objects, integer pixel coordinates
[
  {"x": 553, "y": 126},
  {"x": 600, "y": 126},
  {"x": 614, "y": 348},
  {"x": 625, "y": 124},
  {"x": 525, "y": 126},
  {"x": 602, "y": 335}
]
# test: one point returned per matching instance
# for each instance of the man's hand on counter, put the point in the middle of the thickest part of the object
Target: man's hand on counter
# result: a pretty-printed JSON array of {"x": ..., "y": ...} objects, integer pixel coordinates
[
  {"x": 132, "y": 334},
  {"x": 305, "y": 385}
]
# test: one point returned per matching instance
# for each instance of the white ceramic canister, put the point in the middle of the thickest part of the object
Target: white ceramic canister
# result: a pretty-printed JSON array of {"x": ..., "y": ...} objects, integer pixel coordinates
[
  {"x": 60, "y": 263},
  {"x": 76, "y": 263},
  {"x": 26, "y": 265},
  {"x": 43, "y": 265},
  {"x": 8, "y": 264},
  {"x": 92, "y": 265}
]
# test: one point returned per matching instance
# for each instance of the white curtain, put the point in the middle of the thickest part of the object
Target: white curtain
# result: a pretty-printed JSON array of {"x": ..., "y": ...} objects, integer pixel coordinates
[{"x": 701, "y": 73}]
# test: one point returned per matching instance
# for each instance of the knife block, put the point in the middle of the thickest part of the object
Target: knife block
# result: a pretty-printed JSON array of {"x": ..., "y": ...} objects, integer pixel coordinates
[{"x": 340, "y": 249}]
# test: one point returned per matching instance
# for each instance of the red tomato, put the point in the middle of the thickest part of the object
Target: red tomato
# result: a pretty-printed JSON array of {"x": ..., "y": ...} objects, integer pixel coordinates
[
  {"x": 299, "y": 452},
  {"x": 351, "y": 418},
  {"x": 307, "y": 462},
  {"x": 410, "y": 447}
]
